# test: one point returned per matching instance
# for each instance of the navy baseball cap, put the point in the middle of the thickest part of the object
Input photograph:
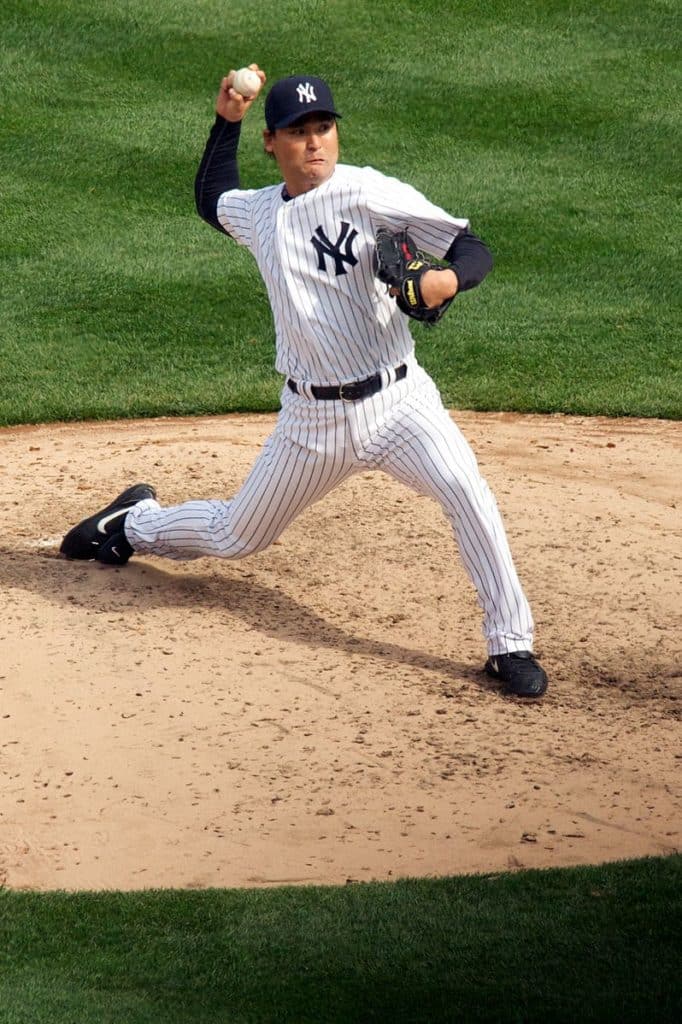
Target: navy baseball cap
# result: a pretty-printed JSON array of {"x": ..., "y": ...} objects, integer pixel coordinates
[{"x": 294, "y": 97}]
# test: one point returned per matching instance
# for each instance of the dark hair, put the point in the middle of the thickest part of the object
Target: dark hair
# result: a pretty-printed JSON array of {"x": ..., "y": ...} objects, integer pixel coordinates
[{"x": 301, "y": 120}]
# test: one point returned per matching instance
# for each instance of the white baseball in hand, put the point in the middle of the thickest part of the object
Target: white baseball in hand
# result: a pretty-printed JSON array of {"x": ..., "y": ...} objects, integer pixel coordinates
[{"x": 247, "y": 82}]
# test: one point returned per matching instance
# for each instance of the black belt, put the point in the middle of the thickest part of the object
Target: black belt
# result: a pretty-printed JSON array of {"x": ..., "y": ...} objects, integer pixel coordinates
[{"x": 351, "y": 392}]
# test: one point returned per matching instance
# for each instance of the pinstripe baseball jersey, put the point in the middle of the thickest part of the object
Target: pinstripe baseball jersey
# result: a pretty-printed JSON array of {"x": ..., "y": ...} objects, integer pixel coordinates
[{"x": 334, "y": 321}]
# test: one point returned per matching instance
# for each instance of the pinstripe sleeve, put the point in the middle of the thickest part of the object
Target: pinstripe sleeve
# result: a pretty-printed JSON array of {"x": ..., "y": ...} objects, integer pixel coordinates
[
  {"x": 397, "y": 205},
  {"x": 235, "y": 214}
]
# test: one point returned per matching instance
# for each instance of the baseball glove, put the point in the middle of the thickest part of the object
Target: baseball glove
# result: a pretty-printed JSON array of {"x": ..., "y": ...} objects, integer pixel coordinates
[{"x": 400, "y": 265}]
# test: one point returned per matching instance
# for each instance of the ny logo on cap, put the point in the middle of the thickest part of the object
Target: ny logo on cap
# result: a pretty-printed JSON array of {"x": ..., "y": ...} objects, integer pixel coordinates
[{"x": 306, "y": 92}]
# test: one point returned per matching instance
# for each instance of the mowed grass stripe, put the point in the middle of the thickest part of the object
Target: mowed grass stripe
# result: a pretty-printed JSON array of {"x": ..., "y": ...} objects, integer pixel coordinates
[{"x": 533, "y": 120}]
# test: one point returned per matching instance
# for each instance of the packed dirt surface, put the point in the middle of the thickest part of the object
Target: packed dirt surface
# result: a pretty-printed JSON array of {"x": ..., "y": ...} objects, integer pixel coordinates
[{"x": 319, "y": 713}]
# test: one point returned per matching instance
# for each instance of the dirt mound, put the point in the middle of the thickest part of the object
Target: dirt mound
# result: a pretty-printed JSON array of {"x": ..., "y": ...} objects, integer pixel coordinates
[{"x": 319, "y": 712}]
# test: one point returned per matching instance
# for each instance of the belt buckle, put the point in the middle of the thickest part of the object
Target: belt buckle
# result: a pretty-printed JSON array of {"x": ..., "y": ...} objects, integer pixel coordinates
[{"x": 342, "y": 388}]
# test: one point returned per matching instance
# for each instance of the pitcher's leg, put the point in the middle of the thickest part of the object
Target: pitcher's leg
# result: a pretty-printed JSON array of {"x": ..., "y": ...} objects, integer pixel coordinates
[
  {"x": 429, "y": 453},
  {"x": 284, "y": 480}
]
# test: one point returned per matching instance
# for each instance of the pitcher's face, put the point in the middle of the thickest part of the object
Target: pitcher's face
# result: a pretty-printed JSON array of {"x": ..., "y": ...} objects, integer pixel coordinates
[{"x": 306, "y": 151}]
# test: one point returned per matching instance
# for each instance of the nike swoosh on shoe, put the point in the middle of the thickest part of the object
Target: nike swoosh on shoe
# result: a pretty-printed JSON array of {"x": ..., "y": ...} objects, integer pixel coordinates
[{"x": 105, "y": 520}]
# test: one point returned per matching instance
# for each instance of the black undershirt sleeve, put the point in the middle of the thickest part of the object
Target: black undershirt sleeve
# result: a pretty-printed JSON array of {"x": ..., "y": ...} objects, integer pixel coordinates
[
  {"x": 470, "y": 259},
  {"x": 218, "y": 170}
]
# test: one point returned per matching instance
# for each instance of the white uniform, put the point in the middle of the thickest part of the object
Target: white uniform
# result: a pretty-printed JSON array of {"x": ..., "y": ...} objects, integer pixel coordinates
[{"x": 335, "y": 323}]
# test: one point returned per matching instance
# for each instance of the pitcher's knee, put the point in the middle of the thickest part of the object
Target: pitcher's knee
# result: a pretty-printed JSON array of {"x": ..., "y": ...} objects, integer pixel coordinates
[
  {"x": 467, "y": 489},
  {"x": 235, "y": 546},
  {"x": 245, "y": 548}
]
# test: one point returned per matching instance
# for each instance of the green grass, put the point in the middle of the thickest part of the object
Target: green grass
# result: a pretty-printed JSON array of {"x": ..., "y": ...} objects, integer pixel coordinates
[
  {"x": 589, "y": 944},
  {"x": 554, "y": 126}
]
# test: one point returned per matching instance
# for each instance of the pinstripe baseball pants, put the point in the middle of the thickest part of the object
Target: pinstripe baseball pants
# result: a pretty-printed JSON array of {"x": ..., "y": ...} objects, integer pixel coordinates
[{"x": 403, "y": 430}]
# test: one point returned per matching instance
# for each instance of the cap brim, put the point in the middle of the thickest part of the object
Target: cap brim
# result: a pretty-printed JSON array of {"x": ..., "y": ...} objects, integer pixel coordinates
[{"x": 296, "y": 116}]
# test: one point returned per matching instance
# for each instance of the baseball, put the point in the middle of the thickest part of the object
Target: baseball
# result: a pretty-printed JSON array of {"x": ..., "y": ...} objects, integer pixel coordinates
[{"x": 246, "y": 82}]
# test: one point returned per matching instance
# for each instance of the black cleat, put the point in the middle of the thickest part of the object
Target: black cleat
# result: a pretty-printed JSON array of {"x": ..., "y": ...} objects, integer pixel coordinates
[
  {"x": 101, "y": 536},
  {"x": 522, "y": 675}
]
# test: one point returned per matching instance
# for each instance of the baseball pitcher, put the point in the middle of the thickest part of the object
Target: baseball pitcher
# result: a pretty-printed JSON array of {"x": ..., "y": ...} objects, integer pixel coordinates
[{"x": 348, "y": 256}]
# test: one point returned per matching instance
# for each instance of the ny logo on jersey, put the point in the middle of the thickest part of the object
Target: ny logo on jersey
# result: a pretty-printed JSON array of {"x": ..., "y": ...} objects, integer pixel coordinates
[
  {"x": 306, "y": 92},
  {"x": 326, "y": 248}
]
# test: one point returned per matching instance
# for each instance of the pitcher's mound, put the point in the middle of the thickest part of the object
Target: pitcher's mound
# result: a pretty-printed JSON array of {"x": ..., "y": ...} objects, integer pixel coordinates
[{"x": 319, "y": 713}]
